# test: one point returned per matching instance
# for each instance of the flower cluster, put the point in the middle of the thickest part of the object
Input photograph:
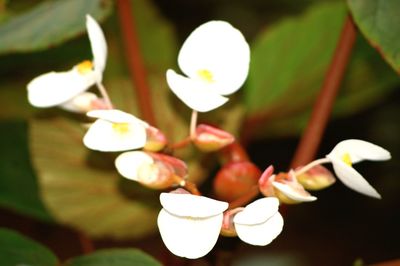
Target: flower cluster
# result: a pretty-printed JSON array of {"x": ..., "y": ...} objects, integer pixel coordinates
[{"x": 215, "y": 62}]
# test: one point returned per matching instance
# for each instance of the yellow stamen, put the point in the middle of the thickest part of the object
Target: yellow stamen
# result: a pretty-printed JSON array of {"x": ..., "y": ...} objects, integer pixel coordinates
[
  {"x": 121, "y": 128},
  {"x": 205, "y": 75},
  {"x": 347, "y": 159},
  {"x": 84, "y": 67}
]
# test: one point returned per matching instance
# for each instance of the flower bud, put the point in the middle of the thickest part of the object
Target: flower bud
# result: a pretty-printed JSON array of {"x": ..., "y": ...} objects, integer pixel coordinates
[
  {"x": 156, "y": 140},
  {"x": 208, "y": 138},
  {"x": 285, "y": 187},
  {"x": 316, "y": 178},
  {"x": 265, "y": 182},
  {"x": 157, "y": 171},
  {"x": 84, "y": 102},
  {"x": 235, "y": 179},
  {"x": 233, "y": 153}
]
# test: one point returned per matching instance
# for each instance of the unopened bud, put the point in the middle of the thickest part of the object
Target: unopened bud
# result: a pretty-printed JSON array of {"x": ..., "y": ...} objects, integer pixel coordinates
[
  {"x": 156, "y": 140},
  {"x": 208, "y": 138},
  {"x": 83, "y": 103},
  {"x": 265, "y": 182},
  {"x": 316, "y": 178},
  {"x": 233, "y": 153},
  {"x": 157, "y": 171},
  {"x": 235, "y": 179}
]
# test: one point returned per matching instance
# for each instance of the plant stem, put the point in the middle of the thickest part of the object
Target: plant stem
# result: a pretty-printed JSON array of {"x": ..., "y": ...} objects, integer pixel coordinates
[
  {"x": 135, "y": 60},
  {"x": 193, "y": 123},
  {"x": 307, "y": 167},
  {"x": 86, "y": 243},
  {"x": 104, "y": 94},
  {"x": 322, "y": 109}
]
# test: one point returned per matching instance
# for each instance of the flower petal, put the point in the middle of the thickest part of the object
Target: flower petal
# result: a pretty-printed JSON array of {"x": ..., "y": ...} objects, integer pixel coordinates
[
  {"x": 257, "y": 212},
  {"x": 217, "y": 47},
  {"x": 195, "y": 94},
  {"x": 116, "y": 116},
  {"x": 128, "y": 163},
  {"x": 191, "y": 205},
  {"x": 352, "y": 179},
  {"x": 260, "y": 234},
  {"x": 359, "y": 150},
  {"x": 55, "y": 88},
  {"x": 294, "y": 191},
  {"x": 81, "y": 103},
  {"x": 102, "y": 136},
  {"x": 98, "y": 44},
  {"x": 189, "y": 237}
]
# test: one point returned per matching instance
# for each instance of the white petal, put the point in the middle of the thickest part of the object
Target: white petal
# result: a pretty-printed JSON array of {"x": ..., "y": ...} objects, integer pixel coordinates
[
  {"x": 128, "y": 163},
  {"x": 116, "y": 116},
  {"x": 102, "y": 136},
  {"x": 352, "y": 179},
  {"x": 81, "y": 103},
  {"x": 197, "y": 95},
  {"x": 258, "y": 211},
  {"x": 218, "y": 47},
  {"x": 359, "y": 150},
  {"x": 55, "y": 88},
  {"x": 294, "y": 194},
  {"x": 191, "y": 205},
  {"x": 98, "y": 44},
  {"x": 189, "y": 237},
  {"x": 260, "y": 234}
]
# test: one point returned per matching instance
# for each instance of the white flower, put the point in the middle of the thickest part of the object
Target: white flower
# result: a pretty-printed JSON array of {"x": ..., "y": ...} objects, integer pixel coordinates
[
  {"x": 190, "y": 225},
  {"x": 351, "y": 151},
  {"x": 54, "y": 88},
  {"x": 215, "y": 59},
  {"x": 115, "y": 130},
  {"x": 260, "y": 222}
]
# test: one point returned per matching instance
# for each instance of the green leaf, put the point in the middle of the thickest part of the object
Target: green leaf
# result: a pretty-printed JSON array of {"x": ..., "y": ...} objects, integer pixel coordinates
[
  {"x": 48, "y": 24},
  {"x": 379, "y": 21},
  {"x": 16, "y": 249},
  {"x": 82, "y": 189},
  {"x": 289, "y": 58},
  {"x": 18, "y": 185},
  {"x": 114, "y": 257}
]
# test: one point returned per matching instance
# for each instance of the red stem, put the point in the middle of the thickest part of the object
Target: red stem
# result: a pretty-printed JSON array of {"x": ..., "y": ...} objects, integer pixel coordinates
[
  {"x": 86, "y": 243},
  {"x": 135, "y": 60},
  {"x": 322, "y": 109},
  {"x": 312, "y": 135}
]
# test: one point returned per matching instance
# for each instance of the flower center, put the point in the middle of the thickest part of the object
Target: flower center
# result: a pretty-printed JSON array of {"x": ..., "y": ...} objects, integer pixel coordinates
[
  {"x": 205, "y": 75},
  {"x": 347, "y": 159},
  {"x": 121, "y": 128},
  {"x": 84, "y": 67}
]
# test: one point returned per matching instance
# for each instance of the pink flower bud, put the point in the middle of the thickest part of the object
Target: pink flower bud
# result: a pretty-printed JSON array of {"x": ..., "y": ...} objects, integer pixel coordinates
[
  {"x": 316, "y": 178},
  {"x": 235, "y": 179},
  {"x": 265, "y": 182},
  {"x": 228, "y": 228},
  {"x": 234, "y": 153},
  {"x": 210, "y": 139},
  {"x": 156, "y": 140}
]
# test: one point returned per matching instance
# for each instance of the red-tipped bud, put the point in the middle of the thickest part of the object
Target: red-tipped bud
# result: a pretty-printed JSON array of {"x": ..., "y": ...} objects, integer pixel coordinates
[
  {"x": 265, "y": 182},
  {"x": 156, "y": 140},
  {"x": 235, "y": 179},
  {"x": 157, "y": 171},
  {"x": 285, "y": 187},
  {"x": 228, "y": 228},
  {"x": 208, "y": 138},
  {"x": 316, "y": 178}
]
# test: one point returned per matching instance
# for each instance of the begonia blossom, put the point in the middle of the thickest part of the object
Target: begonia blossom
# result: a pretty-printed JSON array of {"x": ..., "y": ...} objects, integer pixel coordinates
[
  {"x": 115, "y": 130},
  {"x": 55, "y": 88},
  {"x": 157, "y": 171},
  {"x": 259, "y": 222},
  {"x": 351, "y": 151},
  {"x": 190, "y": 225},
  {"x": 215, "y": 60}
]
